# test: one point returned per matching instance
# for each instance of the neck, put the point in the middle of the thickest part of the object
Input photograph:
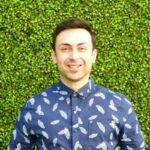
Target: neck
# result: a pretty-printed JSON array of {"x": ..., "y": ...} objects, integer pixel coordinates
[{"x": 75, "y": 85}]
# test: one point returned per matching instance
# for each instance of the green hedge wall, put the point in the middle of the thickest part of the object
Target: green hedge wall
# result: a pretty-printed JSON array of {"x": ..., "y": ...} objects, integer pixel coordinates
[{"x": 123, "y": 62}]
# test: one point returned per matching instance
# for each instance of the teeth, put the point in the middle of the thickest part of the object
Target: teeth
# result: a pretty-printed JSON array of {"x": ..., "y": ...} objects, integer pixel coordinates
[{"x": 74, "y": 66}]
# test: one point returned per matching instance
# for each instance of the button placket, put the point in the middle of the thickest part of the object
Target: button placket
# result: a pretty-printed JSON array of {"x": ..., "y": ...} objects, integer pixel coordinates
[{"x": 75, "y": 125}]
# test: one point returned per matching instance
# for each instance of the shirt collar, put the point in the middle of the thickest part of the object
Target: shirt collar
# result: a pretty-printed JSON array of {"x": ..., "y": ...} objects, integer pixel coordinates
[{"x": 82, "y": 93}]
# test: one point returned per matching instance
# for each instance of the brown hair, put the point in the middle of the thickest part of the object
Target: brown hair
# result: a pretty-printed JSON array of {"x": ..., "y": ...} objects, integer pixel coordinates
[{"x": 71, "y": 24}]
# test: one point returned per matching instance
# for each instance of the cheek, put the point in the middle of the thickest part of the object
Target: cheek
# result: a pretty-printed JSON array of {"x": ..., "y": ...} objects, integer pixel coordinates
[
  {"x": 61, "y": 60},
  {"x": 88, "y": 58}
]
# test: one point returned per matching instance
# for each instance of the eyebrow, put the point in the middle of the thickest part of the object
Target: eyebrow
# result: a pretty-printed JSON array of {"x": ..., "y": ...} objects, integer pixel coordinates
[{"x": 67, "y": 44}]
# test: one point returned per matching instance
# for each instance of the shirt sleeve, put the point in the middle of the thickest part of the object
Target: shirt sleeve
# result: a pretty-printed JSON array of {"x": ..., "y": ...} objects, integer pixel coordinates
[
  {"x": 22, "y": 136},
  {"x": 131, "y": 136}
]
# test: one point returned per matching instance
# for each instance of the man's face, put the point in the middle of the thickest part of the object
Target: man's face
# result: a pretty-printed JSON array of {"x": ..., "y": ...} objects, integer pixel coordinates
[{"x": 74, "y": 55}]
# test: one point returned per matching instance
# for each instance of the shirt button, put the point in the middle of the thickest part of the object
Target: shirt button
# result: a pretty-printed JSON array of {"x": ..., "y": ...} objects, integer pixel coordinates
[
  {"x": 75, "y": 129},
  {"x": 74, "y": 110},
  {"x": 74, "y": 94}
]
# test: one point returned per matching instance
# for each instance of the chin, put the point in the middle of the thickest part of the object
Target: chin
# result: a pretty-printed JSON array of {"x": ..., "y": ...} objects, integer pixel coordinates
[
  {"x": 74, "y": 79},
  {"x": 77, "y": 79}
]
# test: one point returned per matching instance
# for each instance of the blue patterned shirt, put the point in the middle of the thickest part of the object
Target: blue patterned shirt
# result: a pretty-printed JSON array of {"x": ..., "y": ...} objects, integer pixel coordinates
[{"x": 91, "y": 118}]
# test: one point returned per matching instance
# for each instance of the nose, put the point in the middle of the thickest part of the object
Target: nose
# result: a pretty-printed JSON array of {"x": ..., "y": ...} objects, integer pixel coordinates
[{"x": 74, "y": 54}]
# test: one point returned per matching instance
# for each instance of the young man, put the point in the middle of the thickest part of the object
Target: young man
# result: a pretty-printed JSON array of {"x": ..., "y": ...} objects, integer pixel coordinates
[{"x": 76, "y": 114}]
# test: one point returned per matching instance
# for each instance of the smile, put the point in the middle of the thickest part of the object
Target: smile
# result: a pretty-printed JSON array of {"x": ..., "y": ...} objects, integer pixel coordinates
[{"x": 74, "y": 66}]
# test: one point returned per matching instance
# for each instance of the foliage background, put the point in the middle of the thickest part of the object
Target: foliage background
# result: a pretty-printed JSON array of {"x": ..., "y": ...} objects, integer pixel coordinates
[{"x": 123, "y": 62}]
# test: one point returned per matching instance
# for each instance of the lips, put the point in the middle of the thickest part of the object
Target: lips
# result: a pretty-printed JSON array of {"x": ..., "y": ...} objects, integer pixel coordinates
[{"x": 74, "y": 66}]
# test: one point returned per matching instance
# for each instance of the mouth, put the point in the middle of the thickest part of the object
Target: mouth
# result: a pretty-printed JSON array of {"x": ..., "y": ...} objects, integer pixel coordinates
[{"x": 74, "y": 66}]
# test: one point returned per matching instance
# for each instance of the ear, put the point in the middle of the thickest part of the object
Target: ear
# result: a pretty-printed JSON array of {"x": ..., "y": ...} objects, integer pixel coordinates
[
  {"x": 53, "y": 57},
  {"x": 94, "y": 54}
]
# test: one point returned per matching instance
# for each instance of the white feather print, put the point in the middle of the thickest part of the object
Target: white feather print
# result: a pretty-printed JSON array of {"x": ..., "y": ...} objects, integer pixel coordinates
[
  {"x": 44, "y": 146},
  {"x": 114, "y": 126},
  {"x": 39, "y": 111},
  {"x": 65, "y": 132},
  {"x": 117, "y": 129},
  {"x": 129, "y": 148},
  {"x": 62, "y": 148},
  {"x": 61, "y": 132},
  {"x": 55, "y": 107},
  {"x": 124, "y": 119},
  {"x": 83, "y": 130},
  {"x": 27, "y": 117},
  {"x": 55, "y": 142},
  {"x": 112, "y": 106},
  {"x": 125, "y": 138},
  {"x": 101, "y": 127},
  {"x": 55, "y": 91},
  {"x": 93, "y": 117},
  {"x": 24, "y": 130},
  {"x": 128, "y": 126},
  {"x": 20, "y": 116},
  {"x": 80, "y": 120},
  {"x": 100, "y": 95},
  {"x": 118, "y": 97},
  {"x": 113, "y": 144},
  {"x": 77, "y": 146},
  {"x": 93, "y": 135},
  {"x": 44, "y": 94},
  {"x": 137, "y": 129},
  {"x": 55, "y": 122},
  {"x": 102, "y": 146},
  {"x": 8, "y": 148},
  {"x": 41, "y": 124},
  {"x": 32, "y": 132},
  {"x": 115, "y": 119},
  {"x": 75, "y": 125},
  {"x": 68, "y": 101},
  {"x": 88, "y": 91},
  {"x": 111, "y": 136},
  {"x": 130, "y": 111},
  {"x": 100, "y": 109},
  {"x": 142, "y": 145},
  {"x": 32, "y": 101},
  {"x": 63, "y": 92},
  {"x": 63, "y": 114},
  {"x": 136, "y": 118},
  {"x": 77, "y": 109},
  {"x": 27, "y": 140},
  {"x": 91, "y": 102},
  {"x": 90, "y": 85},
  {"x": 81, "y": 94},
  {"x": 14, "y": 134},
  {"x": 127, "y": 101},
  {"x": 46, "y": 100},
  {"x": 61, "y": 98},
  {"x": 45, "y": 134},
  {"x": 18, "y": 146}
]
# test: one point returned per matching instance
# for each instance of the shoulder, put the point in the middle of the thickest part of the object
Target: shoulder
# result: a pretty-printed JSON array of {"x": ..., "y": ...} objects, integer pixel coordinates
[
  {"x": 40, "y": 98},
  {"x": 116, "y": 104},
  {"x": 112, "y": 97},
  {"x": 35, "y": 104}
]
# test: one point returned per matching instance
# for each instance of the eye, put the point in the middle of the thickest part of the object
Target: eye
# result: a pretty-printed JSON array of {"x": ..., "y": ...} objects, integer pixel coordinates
[
  {"x": 65, "y": 49},
  {"x": 82, "y": 48}
]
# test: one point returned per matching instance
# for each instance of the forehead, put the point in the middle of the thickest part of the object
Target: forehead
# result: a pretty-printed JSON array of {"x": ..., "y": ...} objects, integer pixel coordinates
[{"x": 74, "y": 36}]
